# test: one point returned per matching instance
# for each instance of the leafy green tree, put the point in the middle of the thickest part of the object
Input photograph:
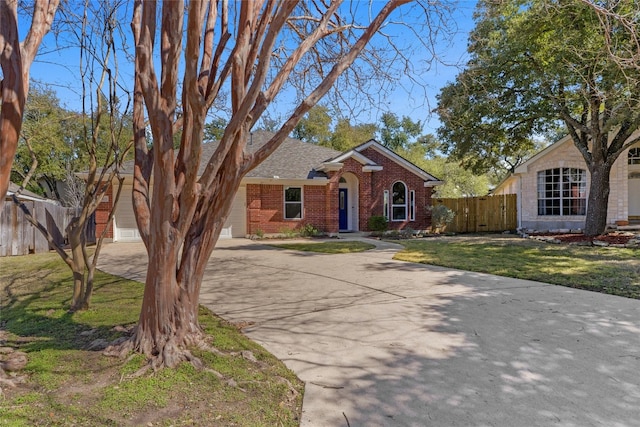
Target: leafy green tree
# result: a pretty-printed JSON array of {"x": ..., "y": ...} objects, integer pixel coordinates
[
  {"x": 458, "y": 181},
  {"x": 315, "y": 126},
  {"x": 346, "y": 136},
  {"x": 318, "y": 127},
  {"x": 214, "y": 130},
  {"x": 47, "y": 135},
  {"x": 396, "y": 133},
  {"x": 532, "y": 66}
]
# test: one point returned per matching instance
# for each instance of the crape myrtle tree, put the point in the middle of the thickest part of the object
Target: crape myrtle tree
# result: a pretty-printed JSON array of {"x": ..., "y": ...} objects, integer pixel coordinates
[
  {"x": 16, "y": 58},
  {"x": 534, "y": 64},
  {"x": 254, "y": 50},
  {"x": 101, "y": 142}
]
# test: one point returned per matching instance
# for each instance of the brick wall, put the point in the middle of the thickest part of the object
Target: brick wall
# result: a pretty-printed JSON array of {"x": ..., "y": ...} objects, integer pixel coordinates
[
  {"x": 102, "y": 214},
  {"x": 265, "y": 208},
  {"x": 384, "y": 180}
]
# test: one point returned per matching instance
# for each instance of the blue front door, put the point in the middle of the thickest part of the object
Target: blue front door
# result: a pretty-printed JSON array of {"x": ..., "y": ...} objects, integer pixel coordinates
[{"x": 342, "y": 209}]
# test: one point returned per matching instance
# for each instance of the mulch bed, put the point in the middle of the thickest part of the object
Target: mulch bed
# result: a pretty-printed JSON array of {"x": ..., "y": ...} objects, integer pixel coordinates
[{"x": 614, "y": 238}]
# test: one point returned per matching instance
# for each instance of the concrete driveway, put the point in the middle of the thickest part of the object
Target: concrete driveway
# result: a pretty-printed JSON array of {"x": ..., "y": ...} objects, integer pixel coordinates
[{"x": 380, "y": 342}]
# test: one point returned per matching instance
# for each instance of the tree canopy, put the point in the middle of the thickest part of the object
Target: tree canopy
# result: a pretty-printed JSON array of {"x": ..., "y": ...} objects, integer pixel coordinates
[
  {"x": 398, "y": 132},
  {"x": 532, "y": 65}
]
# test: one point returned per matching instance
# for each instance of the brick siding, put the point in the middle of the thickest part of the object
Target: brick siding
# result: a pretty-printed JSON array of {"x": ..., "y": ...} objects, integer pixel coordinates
[{"x": 102, "y": 214}]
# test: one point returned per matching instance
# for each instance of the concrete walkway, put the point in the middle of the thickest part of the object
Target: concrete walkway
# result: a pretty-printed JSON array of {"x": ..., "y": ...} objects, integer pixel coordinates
[{"x": 380, "y": 342}]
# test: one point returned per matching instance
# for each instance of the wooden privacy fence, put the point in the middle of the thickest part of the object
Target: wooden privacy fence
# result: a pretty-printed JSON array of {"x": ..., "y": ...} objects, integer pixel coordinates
[
  {"x": 19, "y": 237},
  {"x": 476, "y": 214}
]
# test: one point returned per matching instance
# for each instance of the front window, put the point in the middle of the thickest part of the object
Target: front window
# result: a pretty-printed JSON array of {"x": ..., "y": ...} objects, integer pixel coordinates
[
  {"x": 634, "y": 156},
  {"x": 562, "y": 191},
  {"x": 399, "y": 202},
  {"x": 293, "y": 203}
]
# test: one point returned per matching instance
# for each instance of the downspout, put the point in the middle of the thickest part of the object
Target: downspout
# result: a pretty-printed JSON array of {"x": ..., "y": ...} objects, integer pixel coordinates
[{"x": 519, "y": 202}]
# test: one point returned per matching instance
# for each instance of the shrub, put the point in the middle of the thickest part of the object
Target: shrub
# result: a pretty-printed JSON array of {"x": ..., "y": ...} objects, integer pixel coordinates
[
  {"x": 259, "y": 233},
  {"x": 441, "y": 216},
  {"x": 309, "y": 230},
  {"x": 378, "y": 223},
  {"x": 407, "y": 233},
  {"x": 288, "y": 233}
]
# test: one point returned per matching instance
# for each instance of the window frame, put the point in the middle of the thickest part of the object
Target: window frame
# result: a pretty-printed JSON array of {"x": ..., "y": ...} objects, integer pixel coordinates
[
  {"x": 385, "y": 204},
  {"x": 562, "y": 192},
  {"x": 633, "y": 156},
  {"x": 292, "y": 203},
  {"x": 412, "y": 205},
  {"x": 403, "y": 205}
]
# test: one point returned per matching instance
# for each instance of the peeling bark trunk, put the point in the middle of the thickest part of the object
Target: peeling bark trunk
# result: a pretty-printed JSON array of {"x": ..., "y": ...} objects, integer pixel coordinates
[
  {"x": 598, "y": 203},
  {"x": 169, "y": 317},
  {"x": 15, "y": 60},
  {"x": 181, "y": 213}
]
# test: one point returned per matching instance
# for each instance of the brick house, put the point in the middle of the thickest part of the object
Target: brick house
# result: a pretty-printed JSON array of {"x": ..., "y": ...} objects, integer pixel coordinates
[
  {"x": 302, "y": 183},
  {"x": 553, "y": 188}
]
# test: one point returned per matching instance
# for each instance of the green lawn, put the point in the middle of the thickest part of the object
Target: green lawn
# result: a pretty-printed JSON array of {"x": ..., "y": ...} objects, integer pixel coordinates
[
  {"x": 609, "y": 270},
  {"x": 337, "y": 247},
  {"x": 66, "y": 384}
]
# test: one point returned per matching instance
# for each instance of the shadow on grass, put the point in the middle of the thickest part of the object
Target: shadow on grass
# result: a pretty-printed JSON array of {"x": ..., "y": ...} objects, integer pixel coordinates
[{"x": 39, "y": 319}]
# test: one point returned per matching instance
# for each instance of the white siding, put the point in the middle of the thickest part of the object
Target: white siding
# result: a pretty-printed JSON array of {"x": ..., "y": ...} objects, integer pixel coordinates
[{"x": 236, "y": 224}]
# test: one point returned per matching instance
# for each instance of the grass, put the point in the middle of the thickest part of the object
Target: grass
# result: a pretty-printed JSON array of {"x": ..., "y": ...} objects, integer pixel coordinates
[
  {"x": 608, "y": 270},
  {"x": 69, "y": 385},
  {"x": 341, "y": 247}
]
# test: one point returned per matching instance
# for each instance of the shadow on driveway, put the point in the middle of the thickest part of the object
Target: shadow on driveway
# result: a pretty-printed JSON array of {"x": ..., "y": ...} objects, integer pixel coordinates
[{"x": 386, "y": 343}]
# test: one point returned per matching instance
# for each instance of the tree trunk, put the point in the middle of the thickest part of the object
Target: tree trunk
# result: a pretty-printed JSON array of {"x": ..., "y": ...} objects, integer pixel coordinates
[
  {"x": 77, "y": 266},
  {"x": 169, "y": 317},
  {"x": 597, "y": 205}
]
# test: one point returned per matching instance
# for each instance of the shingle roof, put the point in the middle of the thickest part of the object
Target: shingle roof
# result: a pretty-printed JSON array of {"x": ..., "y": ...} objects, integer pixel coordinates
[
  {"x": 293, "y": 159},
  {"x": 25, "y": 194}
]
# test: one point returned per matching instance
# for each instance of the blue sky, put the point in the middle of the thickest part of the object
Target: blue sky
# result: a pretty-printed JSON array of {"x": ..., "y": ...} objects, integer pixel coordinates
[{"x": 59, "y": 69}]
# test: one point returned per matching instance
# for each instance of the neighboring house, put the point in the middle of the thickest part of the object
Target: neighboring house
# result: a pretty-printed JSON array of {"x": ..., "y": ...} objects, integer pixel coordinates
[
  {"x": 303, "y": 183},
  {"x": 553, "y": 188},
  {"x": 17, "y": 235},
  {"x": 26, "y": 195}
]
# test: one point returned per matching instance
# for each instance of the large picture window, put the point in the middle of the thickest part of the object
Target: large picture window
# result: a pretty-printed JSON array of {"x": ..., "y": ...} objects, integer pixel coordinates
[
  {"x": 562, "y": 191},
  {"x": 399, "y": 202},
  {"x": 634, "y": 156},
  {"x": 293, "y": 203}
]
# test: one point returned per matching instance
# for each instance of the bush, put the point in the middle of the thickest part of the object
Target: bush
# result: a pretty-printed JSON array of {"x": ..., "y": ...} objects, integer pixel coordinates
[
  {"x": 407, "y": 233},
  {"x": 309, "y": 230},
  {"x": 441, "y": 216},
  {"x": 288, "y": 233},
  {"x": 378, "y": 223}
]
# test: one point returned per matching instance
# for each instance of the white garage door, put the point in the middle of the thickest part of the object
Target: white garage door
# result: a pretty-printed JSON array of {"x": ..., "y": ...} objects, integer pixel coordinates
[
  {"x": 125, "y": 226},
  {"x": 236, "y": 224},
  {"x": 126, "y": 229}
]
